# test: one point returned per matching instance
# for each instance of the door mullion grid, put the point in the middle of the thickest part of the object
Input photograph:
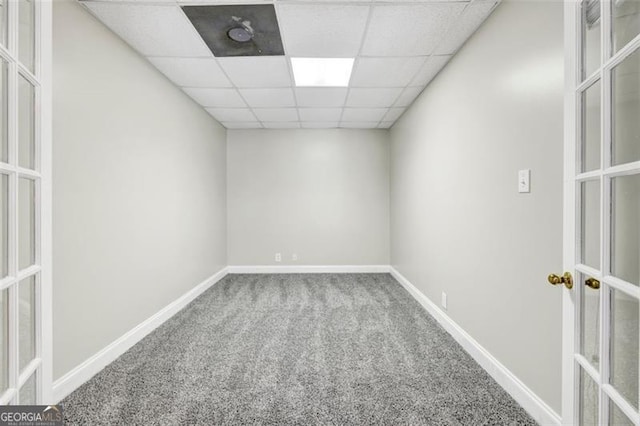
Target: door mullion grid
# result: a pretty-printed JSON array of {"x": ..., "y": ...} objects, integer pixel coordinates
[
  {"x": 605, "y": 208},
  {"x": 12, "y": 153},
  {"x": 622, "y": 404},
  {"x": 581, "y": 85}
]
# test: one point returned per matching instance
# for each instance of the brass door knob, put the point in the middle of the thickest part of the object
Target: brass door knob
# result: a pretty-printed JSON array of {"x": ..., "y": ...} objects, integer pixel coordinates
[
  {"x": 565, "y": 279},
  {"x": 593, "y": 283}
]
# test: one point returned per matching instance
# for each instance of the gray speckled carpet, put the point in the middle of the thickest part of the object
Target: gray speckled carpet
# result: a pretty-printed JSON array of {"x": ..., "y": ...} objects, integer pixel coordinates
[{"x": 296, "y": 349}]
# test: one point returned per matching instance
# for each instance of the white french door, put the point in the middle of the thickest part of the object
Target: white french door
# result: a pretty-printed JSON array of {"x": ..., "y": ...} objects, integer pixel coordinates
[
  {"x": 25, "y": 204},
  {"x": 602, "y": 213}
]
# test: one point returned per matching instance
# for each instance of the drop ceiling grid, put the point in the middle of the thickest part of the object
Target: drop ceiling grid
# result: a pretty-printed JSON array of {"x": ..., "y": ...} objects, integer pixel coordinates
[
  {"x": 239, "y": 94},
  {"x": 362, "y": 40},
  {"x": 367, "y": 102},
  {"x": 288, "y": 58}
]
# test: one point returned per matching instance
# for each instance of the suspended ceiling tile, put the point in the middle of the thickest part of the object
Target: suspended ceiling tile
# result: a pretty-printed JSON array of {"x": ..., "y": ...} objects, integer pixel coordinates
[
  {"x": 393, "y": 114},
  {"x": 242, "y": 125},
  {"x": 216, "y": 97},
  {"x": 322, "y": 30},
  {"x": 359, "y": 125},
  {"x": 372, "y": 97},
  {"x": 320, "y": 114},
  {"x": 319, "y": 124},
  {"x": 429, "y": 70},
  {"x": 214, "y": 21},
  {"x": 385, "y": 124},
  {"x": 281, "y": 125},
  {"x": 192, "y": 72},
  {"x": 232, "y": 114},
  {"x": 385, "y": 72},
  {"x": 408, "y": 29},
  {"x": 145, "y": 28},
  {"x": 473, "y": 16},
  {"x": 408, "y": 96},
  {"x": 257, "y": 71},
  {"x": 276, "y": 114},
  {"x": 261, "y": 98},
  {"x": 321, "y": 96},
  {"x": 363, "y": 114}
]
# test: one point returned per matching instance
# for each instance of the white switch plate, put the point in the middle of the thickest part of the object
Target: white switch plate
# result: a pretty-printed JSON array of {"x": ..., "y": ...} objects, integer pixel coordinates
[
  {"x": 444, "y": 300},
  {"x": 278, "y": 257},
  {"x": 524, "y": 178}
]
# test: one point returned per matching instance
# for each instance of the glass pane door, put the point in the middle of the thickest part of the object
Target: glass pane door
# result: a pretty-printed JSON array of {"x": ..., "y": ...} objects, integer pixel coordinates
[
  {"x": 20, "y": 204},
  {"x": 607, "y": 187}
]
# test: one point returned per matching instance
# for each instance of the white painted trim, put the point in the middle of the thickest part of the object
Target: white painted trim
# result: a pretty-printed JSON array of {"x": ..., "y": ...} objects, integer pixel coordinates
[
  {"x": 307, "y": 269},
  {"x": 524, "y": 396},
  {"x": 537, "y": 408},
  {"x": 89, "y": 368},
  {"x": 571, "y": 132}
]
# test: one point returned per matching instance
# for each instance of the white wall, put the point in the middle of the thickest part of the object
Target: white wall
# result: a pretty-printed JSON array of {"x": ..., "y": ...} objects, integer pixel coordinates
[
  {"x": 458, "y": 224},
  {"x": 322, "y": 194},
  {"x": 139, "y": 189}
]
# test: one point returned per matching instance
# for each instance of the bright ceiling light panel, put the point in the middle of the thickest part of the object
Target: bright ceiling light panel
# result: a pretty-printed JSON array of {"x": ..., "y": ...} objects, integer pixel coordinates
[{"x": 328, "y": 72}]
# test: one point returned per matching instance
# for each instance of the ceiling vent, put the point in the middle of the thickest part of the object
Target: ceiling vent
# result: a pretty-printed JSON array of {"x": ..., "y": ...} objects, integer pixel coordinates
[{"x": 237, "y": 30}]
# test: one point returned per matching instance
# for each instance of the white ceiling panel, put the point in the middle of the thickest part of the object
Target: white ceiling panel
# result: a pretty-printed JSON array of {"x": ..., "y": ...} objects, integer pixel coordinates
[
  {"x": 322, "y": 30},
  {"x": 363, "y": 114},
  {"x": 359, "y": 125},
  {"x": 321, "y": 96},
  {"x": 263, "y": 98},
  {"x": 359, "y": 97},
  {"x": 276, "y": 114},
  {"x": 393, "y": 114},
  {"x": 145, "y": 28},
  {"x": 320, "y": 114},
  {"x": 473, "y": 16},
  {"x": 429, "y": 70},
  {"x": 192, "y": 72},
  {"x": 319, "y": 124},
  {"x": 257, "y": 71},
  {"x": 385, "y": 124},
  {"x": 242, "y": 124},
  {"x": 232, "y": 114},
  {"x": 385, "y": 72},
  {"x": 408, "y": 96},
  {"x": 281, "y": 125},
  {"x": 216, "y": 97},
  {"x": 408, "y": 29}
]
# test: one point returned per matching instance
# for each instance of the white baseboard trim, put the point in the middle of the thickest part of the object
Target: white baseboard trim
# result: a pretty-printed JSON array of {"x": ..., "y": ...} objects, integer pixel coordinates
[
  {"x": 524, "y": 396},
  {"x": 90, "y": 367},
  {"x": 537, "y": 408},
  {"x": 307, "y": 269}
]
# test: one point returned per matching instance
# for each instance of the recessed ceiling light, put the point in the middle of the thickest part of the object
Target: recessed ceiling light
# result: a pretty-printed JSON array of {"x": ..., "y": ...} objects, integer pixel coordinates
[{"x": 333, "y": 72}]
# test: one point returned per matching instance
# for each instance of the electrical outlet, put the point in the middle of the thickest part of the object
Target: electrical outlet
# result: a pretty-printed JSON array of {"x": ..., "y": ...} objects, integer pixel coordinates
[
  {"x": 278, "y": 257},
  {"x": 294, "y": 257},
  {"x": 444, "y": 300}
]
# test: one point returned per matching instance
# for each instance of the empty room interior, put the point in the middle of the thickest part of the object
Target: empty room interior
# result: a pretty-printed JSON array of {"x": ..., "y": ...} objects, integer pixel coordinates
[{"x": 325, "y": 212}]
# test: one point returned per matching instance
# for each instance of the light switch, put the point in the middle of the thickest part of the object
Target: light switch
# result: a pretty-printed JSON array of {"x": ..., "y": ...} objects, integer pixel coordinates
[{"x": 524, "y": 176}]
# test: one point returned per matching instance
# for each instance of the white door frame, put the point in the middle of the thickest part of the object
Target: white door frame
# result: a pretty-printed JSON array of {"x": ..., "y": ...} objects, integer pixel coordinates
[
  {"x": 41, "y": 79},
  {"x": 46, "y": 198},
  {"x": 574, "y": 83},
  {"x": 569, "y": 213}
]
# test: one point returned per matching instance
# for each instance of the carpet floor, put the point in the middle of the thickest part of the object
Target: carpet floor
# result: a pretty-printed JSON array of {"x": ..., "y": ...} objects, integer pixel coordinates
[{"x": 330, "y": 349}]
